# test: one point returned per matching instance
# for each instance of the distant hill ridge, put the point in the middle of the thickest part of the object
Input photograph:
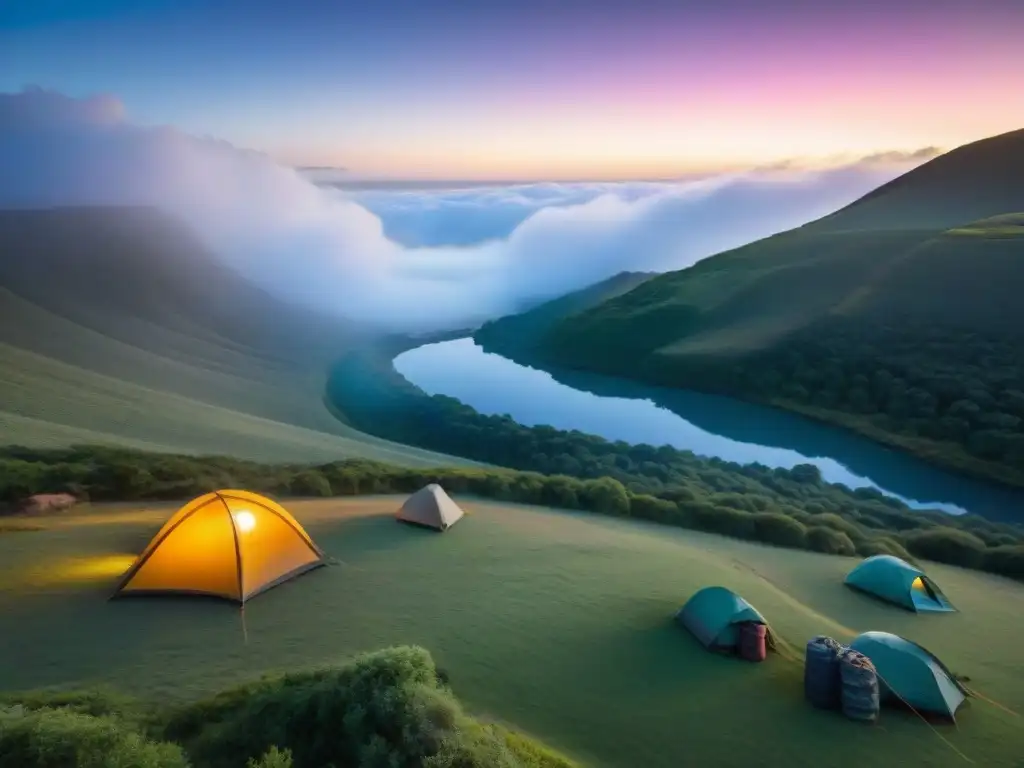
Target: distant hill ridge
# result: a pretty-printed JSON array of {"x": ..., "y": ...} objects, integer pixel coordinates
[
  {"x": 974, "y": 181},
  {"x": 898, "y": 316},
  {"x": 117, "y": 326}
]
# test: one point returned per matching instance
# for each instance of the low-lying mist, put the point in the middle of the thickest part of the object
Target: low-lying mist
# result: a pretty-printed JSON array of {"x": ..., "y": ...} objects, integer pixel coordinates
[{"x": 410, "y": 260}]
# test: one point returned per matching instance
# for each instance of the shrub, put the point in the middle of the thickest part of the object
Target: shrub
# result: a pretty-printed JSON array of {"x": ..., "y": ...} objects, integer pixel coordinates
[
  {"x": 53, "y": 738},
  {"x": 830, "y": 541},
  {"x": 526, "y": 488},
  {"x": 97, "y": 702},
  {"x": 1007, "y": 561},
  {"x": 780, "y": 530},
  {"x": 309, "y": 483},
  {"x": 561, "y": 491},
  {"x": 273, "y": 758},
  {"x": 606, "y": 496},
  {"x": 679, "y": 489},
  {"x": 947, "y": 545},
  {"x": 383, "y": 708},
  {"x": 648, "y": 507},
  {"x": 723, "y": 520},
  {"x": 841, "y": 524},
  {"x": 883, "y": 545}
]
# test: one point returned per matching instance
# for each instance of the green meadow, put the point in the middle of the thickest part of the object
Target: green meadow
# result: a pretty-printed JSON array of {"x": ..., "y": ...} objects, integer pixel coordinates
[{"x": 558, "y": 623}]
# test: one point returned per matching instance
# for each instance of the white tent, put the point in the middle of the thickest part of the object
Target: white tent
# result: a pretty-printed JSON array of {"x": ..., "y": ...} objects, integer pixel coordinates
[{"x": 430, "y": 506}]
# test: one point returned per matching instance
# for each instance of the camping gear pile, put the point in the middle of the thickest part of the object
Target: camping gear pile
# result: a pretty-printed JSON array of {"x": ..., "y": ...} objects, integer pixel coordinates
[
  {"x": 723, "y": 621},
  {"x": 821, "y": 672},
  {"x": 875, "y": 667},
  {"x": 859, "y": 679}
]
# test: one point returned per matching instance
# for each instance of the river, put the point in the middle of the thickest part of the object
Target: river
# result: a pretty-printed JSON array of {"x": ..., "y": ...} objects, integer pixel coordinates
[{"x": 708, "y": 425}]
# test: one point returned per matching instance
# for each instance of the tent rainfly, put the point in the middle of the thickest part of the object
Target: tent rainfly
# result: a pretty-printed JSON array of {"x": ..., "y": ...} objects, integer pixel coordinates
[
  {"x": 898, "y": 582},
  {"x": 431, "y": 507},
  {"x": 713, "y": 616},
  {"x": 230, "y": 544},
  {"x": 909, "y": 673}
]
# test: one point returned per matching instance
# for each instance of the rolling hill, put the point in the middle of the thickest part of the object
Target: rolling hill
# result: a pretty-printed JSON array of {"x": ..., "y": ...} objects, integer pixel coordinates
[
  {"x": 559, "y": 622},
  {"x": 116, "y": 326},
  {"x": 897, "y": 316},
  {"x": 539, "y": 319}
]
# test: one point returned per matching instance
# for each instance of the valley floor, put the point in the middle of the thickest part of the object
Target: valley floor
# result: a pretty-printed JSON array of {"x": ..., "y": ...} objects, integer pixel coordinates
[{"x": 560, "y": 623}]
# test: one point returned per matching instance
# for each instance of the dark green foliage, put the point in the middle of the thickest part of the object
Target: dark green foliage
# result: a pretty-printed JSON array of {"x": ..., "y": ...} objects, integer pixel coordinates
[
  {"x": 830, "y": 541},
  {"x": 388, "y": 708},
  {"x": 62, "y": 738},
  {"x": 1008, "y": 561},
  {"x": 274, "y": 758},
  {"x": 605, "y": 495},
  {"x": 647, "y": 507},
  {"x": 900, "y": 320},
  {"x": 780, "y": 530},
  {"x": 852, "y": 530},
  {"x": 752, "y": 503},
  {"x": 948, "y": 545},
  {"x": 96, "y": 702},
  {"x": 884, "y": 545},
  {"x": 395, "y": 409},
  {"x": 728, "y": 522},
  {"x": 309, "y": 482}
]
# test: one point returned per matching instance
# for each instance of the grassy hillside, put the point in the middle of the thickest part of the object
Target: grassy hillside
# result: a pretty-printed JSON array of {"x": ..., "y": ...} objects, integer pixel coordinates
[
  {"x": 539, "y": 319},
  {"x": 558, "y": 622},
  {"x": 117, "y": 327},
  {"x": 898, "y": 317},
  {"x": 786, "y": 508}
]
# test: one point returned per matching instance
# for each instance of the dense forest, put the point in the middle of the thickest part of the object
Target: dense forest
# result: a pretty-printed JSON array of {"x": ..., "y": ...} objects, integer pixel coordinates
[
  {"x": 793, "y": 507},
  {"x": 918, "y": 344},
  {"x": 945, "y": 393}
]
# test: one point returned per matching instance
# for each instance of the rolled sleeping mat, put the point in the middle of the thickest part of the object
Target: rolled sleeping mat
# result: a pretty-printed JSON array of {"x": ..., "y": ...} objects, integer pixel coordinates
[
  {"x": 822, "y": 685},
  {"x": 861, "y": 700}
]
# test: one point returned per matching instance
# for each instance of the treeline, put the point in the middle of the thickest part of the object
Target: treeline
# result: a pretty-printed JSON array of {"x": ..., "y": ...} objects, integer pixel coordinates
[
  {"x": 786, "y": 508},
  {"x": 949, "y": 395},
  {"x": 391, "y": 707},
  {"x": 669, "y": 485}
]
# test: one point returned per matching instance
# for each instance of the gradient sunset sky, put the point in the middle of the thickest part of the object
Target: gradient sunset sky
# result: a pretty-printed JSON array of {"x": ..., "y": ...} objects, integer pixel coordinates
[{"x": 538, "y": 88}]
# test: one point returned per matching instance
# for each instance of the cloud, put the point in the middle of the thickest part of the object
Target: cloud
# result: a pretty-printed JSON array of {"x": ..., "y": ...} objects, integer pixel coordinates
[
  {"x": 406, "y": 260},
  {"x": 896, "y": 157}
]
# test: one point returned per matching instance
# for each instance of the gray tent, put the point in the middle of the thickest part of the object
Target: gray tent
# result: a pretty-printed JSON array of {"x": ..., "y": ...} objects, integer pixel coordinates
[{"x": 432, "y": 507}]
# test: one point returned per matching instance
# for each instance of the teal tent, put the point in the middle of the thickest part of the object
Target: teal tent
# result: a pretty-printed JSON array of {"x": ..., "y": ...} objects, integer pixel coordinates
[
  {"x": 898, "y": 582},
  {"x": 712, "y": 615},
  {"x": 909, "y": 673}
]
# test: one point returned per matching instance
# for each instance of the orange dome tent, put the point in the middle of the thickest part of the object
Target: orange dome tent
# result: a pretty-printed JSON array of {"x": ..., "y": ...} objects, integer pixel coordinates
[{"x": 230, "y": 544}]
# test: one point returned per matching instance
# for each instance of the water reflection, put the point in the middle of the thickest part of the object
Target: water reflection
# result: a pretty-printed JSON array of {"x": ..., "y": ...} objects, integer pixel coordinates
[{"x": 705, "y": 424}]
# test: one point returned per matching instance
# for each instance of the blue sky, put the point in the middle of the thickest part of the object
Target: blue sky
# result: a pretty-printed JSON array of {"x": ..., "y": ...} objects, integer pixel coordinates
[{"x": 536, "y": 87}]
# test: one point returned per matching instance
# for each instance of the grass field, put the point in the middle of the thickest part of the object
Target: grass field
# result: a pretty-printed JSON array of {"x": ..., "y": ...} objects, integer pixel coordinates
[
  {"x": 117, "y": 328},
  {"x": 559, "y": 623}
]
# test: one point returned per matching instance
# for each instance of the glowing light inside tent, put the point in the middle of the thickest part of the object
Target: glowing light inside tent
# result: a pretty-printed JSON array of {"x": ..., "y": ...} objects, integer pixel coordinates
[{"x": 245, "y": 520}]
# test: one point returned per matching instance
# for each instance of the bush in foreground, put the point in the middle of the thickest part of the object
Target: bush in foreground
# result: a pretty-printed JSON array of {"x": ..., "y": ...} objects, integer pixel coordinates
[
  {"x": 58, "y": 737},
  {"x": 387, "y": 708}
]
